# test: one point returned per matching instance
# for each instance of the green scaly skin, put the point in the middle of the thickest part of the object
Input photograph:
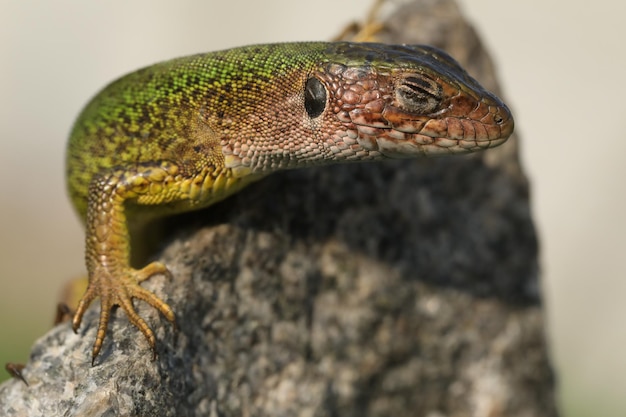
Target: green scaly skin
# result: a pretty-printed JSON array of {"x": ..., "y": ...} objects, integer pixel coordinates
[{"x": 186, "y": 133}]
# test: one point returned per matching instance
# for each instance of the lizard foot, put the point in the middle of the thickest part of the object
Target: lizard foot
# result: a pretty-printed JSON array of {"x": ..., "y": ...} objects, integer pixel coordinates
[{"x": 118, "y": 286}]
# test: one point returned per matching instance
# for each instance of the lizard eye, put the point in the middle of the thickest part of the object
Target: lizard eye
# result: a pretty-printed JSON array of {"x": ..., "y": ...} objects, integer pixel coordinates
[
  {"x": 314, "y": 97},
  {"x": 419, "y": 94}
]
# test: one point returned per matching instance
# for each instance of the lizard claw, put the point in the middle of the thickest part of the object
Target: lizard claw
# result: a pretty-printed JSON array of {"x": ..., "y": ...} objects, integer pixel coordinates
[{"x": 117, "y": 287}]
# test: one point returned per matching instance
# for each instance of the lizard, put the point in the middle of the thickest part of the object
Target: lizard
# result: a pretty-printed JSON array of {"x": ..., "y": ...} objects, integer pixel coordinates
[{"x": 186, "y": 133}]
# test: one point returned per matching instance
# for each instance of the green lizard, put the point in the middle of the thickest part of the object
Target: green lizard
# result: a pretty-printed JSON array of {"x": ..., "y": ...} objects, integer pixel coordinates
[{"x": 186, "y": 133}]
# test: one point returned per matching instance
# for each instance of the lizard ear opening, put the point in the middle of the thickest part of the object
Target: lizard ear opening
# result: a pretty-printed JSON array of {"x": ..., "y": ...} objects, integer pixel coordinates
[{"x": 314, "y": 97}]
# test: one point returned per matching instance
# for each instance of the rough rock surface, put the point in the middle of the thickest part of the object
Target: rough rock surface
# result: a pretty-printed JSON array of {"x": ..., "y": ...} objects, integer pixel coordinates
[{"x": 405, "y": 288}]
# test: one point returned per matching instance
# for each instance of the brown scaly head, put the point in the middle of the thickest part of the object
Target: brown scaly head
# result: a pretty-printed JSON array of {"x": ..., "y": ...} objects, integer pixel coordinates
[{"x": 365, "y": 101}]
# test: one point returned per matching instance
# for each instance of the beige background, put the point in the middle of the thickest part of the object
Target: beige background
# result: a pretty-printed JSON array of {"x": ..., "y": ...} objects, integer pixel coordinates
[{"x": 562, "y": 66}]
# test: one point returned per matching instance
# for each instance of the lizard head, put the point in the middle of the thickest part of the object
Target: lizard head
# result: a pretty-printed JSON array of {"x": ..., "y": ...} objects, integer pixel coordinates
[
  {"x": 332, "y": 102},
  {"x": 405, "y": 100}
]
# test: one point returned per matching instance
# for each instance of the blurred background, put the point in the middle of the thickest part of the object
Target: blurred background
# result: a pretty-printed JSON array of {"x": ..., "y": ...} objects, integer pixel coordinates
[{"x": 561, "y": 63}]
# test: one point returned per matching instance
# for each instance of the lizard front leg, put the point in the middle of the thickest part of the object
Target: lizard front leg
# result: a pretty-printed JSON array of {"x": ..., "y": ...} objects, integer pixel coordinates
[{"x": 108, "y": 243}]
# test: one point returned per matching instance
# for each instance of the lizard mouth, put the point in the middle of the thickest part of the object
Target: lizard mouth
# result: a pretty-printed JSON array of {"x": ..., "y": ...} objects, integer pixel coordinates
[{"x": 397, "y": 133}]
